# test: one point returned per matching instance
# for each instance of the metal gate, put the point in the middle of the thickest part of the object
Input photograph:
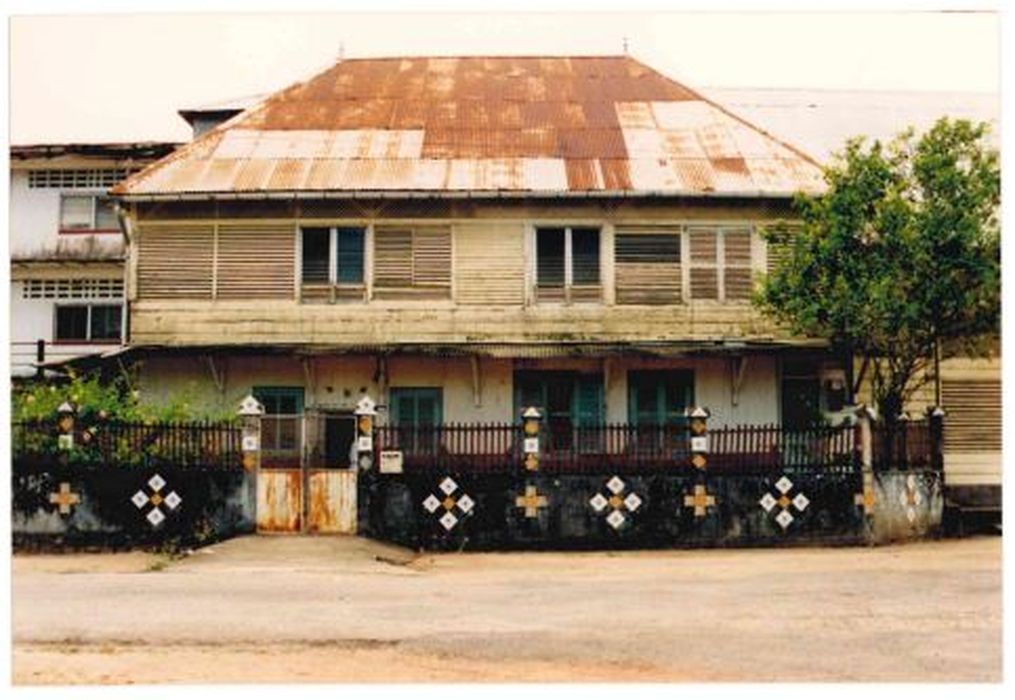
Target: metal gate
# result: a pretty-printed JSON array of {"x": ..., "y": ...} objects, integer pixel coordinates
[{"x": 312, "y": 487}]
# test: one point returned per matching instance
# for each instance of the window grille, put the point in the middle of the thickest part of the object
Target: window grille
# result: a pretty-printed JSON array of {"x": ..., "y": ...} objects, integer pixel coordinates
[
  {"x": 72, "y": 289},
  {"x": 89, "y": 178}
]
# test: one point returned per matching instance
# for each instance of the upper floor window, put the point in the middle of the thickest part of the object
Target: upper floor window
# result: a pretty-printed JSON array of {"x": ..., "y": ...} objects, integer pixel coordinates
[
  {"x": 647, "y": 266},
  {"x": 87, "y": 213},
  {"x": 64, "y": 179},
  {"x": 720, "y": 263},
  {"x": 567, "y": 264},
  {"x": 88, "y": 323},
  {"x": 412, "y": 262},
  {"x": 334, "y": 256}
]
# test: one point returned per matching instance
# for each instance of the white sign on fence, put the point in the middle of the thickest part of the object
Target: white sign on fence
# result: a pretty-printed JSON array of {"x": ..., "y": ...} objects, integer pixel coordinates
[
  {"x": 531, "y": 445},
  {"x": 699, "y": 443},
  {"x": 391, "y": 461}
]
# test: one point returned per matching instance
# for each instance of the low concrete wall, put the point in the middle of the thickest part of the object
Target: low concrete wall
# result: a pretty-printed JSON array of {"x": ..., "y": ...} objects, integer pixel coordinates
[
  {"x": 510, "y": 510},
  {"x": 121, "y": 507}
]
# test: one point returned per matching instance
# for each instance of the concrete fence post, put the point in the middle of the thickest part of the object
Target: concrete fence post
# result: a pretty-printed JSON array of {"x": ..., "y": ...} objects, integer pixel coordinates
[
  {"x": 366, "y": 417},
  {"x": 532, "y": 420},
  {"x": 250, "y": 413},
  {"x": 65, "y": 425},
  {"x": 699, "y": 437},
  {"x": 865, "y": 438},
  {"x": 936, "y": 426}
]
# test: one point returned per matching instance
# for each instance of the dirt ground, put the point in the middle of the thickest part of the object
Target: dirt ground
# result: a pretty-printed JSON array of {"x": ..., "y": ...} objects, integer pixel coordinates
[{"x": 304, "y": 609}]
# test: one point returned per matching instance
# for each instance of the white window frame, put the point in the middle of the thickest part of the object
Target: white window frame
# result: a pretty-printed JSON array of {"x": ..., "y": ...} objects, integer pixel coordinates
[
  {"x": 568, "y": 258},
  {"x": 720, "y": 258},
  {"x": 93, "y": 227},
  {"x": 88, "y": 324}
]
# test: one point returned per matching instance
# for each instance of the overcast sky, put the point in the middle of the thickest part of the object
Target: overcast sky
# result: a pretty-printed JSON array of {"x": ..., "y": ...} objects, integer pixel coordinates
[{"x": 122, "y": 77}]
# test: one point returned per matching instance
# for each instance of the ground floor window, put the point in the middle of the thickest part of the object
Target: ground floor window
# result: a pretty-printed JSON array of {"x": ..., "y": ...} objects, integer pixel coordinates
[
  {"x": 415, "y": 410},
  {"x": 88, "y": 323},
  {"x": 281, "y": 425},
  {"x": 572, "y": 404},
  {"x": 656, "y": 406}
]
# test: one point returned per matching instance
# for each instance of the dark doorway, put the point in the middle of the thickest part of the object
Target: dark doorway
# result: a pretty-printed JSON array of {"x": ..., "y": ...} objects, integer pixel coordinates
[{"x": 339, "y": 433}]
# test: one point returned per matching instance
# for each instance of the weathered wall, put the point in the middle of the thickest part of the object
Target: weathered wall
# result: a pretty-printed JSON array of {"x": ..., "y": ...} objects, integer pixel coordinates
[{"x": 338, "y": 382}]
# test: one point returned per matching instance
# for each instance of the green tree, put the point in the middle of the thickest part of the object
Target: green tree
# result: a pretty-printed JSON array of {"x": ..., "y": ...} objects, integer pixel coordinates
[{"x": 898, "y": 258}]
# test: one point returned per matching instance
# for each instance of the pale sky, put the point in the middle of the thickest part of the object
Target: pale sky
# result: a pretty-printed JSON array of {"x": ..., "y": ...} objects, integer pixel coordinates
[{"x": 122, "y": 77}]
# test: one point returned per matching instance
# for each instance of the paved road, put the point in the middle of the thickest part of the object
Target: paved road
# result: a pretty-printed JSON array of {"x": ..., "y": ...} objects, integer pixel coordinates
[{"x": 333, "y": 609}]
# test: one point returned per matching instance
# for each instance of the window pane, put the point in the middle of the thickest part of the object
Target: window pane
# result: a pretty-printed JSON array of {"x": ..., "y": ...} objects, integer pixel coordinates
[
  {"x": 350, "y": 255},
  {"x": 585, "y": 255},
  {"x": 105, "y": 215},
  {"x": 72, "y": 323},
  {"x": 106, "y": 322},
  {"x": 550, "y": 257},
  {"x": 315, "y": 254},
  {"x": 76, "y": 212}
]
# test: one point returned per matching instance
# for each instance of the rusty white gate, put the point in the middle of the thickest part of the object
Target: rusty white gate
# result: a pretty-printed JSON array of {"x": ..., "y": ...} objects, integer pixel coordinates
[{"x": 310, "y": 489}]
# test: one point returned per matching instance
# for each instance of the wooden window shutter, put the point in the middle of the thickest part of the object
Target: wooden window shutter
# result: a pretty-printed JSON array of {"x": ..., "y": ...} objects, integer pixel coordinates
[
  {"x": 973, "y": 420},
  {"x": 174, "y": 261},
  {"x": 647, "y": 266},
  {"x": 393, "y": 258},
  {"x": 255, "y": 261},
  {"x": 704, "y": 271},
  {"x": 413, "y": 262},
  {"x": 737, "y": 273},
  {"x": 779, "y": 248}
]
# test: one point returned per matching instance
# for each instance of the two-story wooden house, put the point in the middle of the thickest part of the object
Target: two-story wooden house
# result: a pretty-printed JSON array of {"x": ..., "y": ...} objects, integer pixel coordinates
[{"x": 463, "y": 237}]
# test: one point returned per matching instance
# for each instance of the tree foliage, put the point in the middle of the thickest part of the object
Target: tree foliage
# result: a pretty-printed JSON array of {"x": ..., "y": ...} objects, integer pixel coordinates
[{"x": 901, "y": 252}]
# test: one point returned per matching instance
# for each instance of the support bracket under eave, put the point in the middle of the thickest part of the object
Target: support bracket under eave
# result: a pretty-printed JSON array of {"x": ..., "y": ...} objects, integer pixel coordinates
[
  {"x": 477, "y": 381},
  {"x": 739, "y": 371},
  {"x": 218, "y": 374}
]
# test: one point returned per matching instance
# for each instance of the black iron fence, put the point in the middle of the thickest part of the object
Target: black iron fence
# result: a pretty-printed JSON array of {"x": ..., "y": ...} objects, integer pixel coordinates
[
  {"x": 905, "y": 445},
  {"x": 192, "y": 444},
  {"x": 617, "y": 448}
]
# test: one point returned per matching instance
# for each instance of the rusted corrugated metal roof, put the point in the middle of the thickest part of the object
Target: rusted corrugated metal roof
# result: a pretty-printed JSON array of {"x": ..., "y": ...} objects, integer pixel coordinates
[{"x": 514, "y": 125}]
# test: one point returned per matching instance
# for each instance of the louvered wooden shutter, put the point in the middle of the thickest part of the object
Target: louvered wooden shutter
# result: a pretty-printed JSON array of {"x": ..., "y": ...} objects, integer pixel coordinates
[
  {"x": 704, "y": 271},
  {"x": 175, "y": 261},
  {"x": 737, "y": 264},
  {"x": 647, "y": 267},
  {"x": 973, "y": 419},
  {"x": 255, "y": 261},
  {"x": 412, "y": 262},
  {"x": 489, "y": 263},
  {"x": 779, "y": 247}
]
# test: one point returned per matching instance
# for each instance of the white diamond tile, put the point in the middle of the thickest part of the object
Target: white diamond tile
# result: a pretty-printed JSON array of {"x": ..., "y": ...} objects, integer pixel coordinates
[
  {"x": 598, "y": 502},
  {"x": 173, "y": 500},
  {"x": 767, "y": 502},
  {"x": 139, "y": 499},
  {"x": 155, "y": 517},
  {"x": 431, "y": 503},
  {"x": 156, "y": 482},
  {"x": 632, "y": 502},
  {"x": 801, "y": 502},
  {"x": 903, "y": 498},
  {"x": 784, "y": 485},
  {"x": 911, "y": 514},
  {"x": 911, "y": 482},
  {"x": 448, "y": 520},
  {"x": 448, "y": 486},
  {"x": 917, "y": 498},
  {"x": 465, "y": 503},
  {"x": 784, "y": 519},
  {"x": 616, "y": 485},
  {"x": 615, "y": 519}
]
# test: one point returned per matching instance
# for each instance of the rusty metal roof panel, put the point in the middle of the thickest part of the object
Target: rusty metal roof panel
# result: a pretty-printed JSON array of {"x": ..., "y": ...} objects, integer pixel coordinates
[{"x": 484, "y": 124}]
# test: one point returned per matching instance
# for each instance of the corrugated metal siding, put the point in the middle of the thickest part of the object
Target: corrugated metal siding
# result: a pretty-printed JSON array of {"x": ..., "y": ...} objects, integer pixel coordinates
[
  {"x": 489, "y": 264},
  {"x": 522, "y": 124},
  {"x": 973, "y": 421},
  {"x": 331, "y": 502}
]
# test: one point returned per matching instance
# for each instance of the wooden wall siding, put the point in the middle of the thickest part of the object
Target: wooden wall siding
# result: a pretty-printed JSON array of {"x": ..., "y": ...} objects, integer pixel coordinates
[
  {"x": 973, "y": 421},
  {"x": 267, "y": 321},
  {"x": 255, "y": 261},
  {"x": 175, "y": 261},
  {"x": 647, "y": 268},
  {"x": 703, "y": 245},
  {"x": 412, "y": 262},
  {"x": 490, "y": 264}
]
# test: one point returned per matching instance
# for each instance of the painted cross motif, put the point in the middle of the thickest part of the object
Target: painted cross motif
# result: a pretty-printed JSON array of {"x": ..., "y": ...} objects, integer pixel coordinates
[
  {"x": 449, "y": 502},
  {"x": 141, "y": 499},
  {"x": 64, "y": 498},
  {"x": 865, "y": 499},
  {"x": 910, "y": 498},
  {"x": 531, "y": 502},
  {"x": 616, "y": 502},
  {"x": 785, "y": 517},
  {"x": 700, "y": 500}
]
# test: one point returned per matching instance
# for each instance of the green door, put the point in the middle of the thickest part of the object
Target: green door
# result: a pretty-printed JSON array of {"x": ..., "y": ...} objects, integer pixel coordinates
[{"x": 656, "y": 404}]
